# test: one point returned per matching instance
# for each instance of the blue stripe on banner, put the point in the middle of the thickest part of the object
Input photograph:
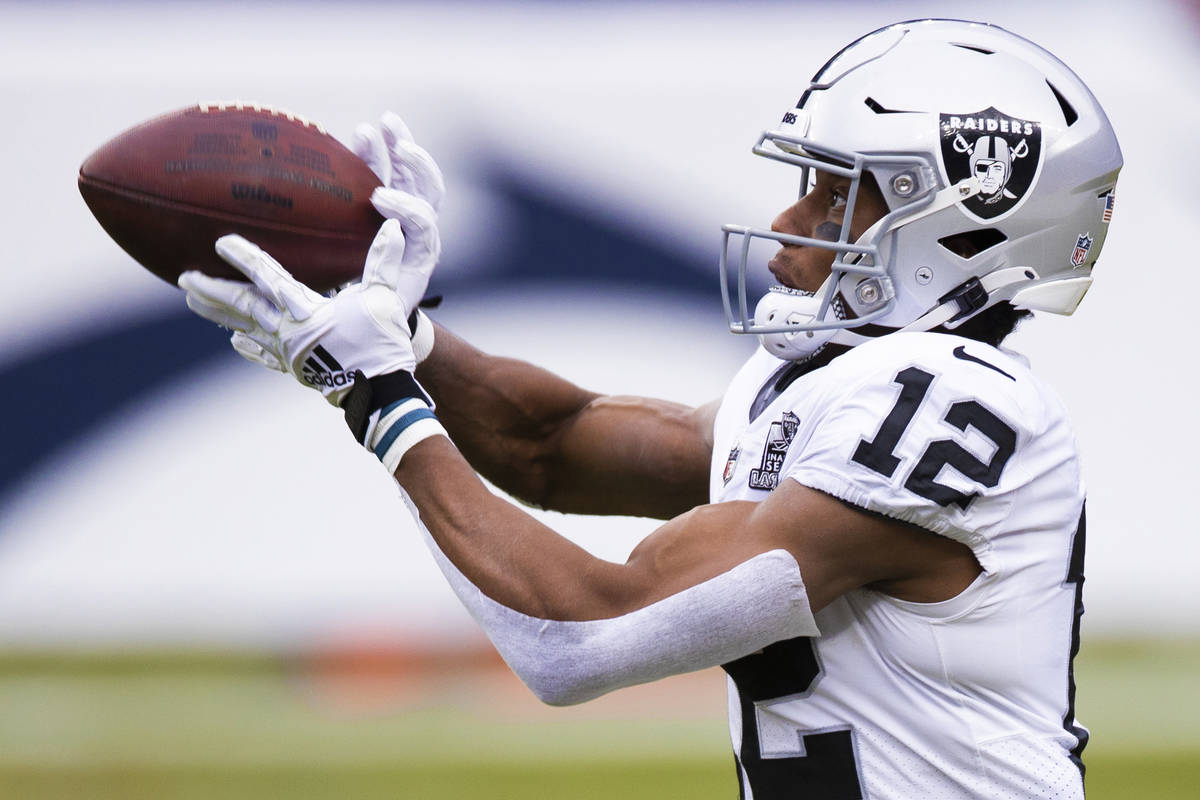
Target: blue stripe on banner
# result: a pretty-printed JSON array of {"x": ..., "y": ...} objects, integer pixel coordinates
[
  {"x": 73, "y": 388},
  {"x": 397, "y": 429}
]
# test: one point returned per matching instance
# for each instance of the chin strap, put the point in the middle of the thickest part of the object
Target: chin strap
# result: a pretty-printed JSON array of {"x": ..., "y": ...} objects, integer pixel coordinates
[
  {"x": 972, "y": 296},
  {"x": 955, "y": 307}
]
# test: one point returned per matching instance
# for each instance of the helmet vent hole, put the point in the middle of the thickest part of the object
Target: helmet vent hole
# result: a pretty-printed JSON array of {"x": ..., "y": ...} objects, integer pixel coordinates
[
  {"x": 878, "y": 107},
  {"x": 969, "y": 244},
  {"x": 1068, "y": 112}
]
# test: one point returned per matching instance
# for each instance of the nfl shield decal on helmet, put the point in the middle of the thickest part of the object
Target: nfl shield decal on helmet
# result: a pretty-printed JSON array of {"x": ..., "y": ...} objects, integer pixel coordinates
[
  {"x": 1004, "y": 152},
  {"x": 1082, "y": 245}
]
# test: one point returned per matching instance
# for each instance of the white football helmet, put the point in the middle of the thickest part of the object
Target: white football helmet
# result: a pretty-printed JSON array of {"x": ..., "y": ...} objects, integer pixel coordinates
[{"x": 970, "y": 132}]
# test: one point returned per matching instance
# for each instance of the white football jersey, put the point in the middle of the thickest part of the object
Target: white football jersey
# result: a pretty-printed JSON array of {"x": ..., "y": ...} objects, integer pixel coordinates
[{"x": 968, "y": 698}]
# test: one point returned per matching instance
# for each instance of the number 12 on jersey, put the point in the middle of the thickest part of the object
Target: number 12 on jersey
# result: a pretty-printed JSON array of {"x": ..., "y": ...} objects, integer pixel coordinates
[{"x": 878, "y": 454}]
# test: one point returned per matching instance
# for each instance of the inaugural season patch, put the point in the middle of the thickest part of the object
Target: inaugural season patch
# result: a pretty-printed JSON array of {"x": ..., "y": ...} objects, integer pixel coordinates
[
  {"x": 779, "y": 439},
  {"x": 1004, "y": 152}
]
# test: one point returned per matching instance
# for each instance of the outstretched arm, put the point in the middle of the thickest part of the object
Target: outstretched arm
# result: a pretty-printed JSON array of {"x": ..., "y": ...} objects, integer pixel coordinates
[
  {"x": 525, "y": 565},
  {"x": 557, "y": 446},
  {"x": 708, "y": 587}
]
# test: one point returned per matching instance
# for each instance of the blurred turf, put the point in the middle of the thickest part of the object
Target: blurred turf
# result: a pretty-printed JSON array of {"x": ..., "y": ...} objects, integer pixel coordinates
[
  {"x": 696, "y": 778},
  {"x": 186, "y": 726},
  {"x": 1140, "y": 776},
  {"x": 1112, "y": 777}
]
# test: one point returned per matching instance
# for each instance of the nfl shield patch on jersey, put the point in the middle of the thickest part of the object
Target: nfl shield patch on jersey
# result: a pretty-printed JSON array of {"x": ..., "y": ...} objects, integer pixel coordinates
[{"x": 731, "y": 464}]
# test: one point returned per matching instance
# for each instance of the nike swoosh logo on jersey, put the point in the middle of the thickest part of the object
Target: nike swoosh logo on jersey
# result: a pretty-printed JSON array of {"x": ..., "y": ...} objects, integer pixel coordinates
[{"x": 961, "y": 352}]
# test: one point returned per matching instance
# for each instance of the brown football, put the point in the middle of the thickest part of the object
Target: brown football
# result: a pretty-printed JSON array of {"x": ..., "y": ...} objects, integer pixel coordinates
[{"x": 168, "y": 188}]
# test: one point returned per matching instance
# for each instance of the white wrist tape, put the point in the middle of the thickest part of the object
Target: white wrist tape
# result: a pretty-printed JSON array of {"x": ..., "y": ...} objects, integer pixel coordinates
[
  {"x": 397, "y": 427},
  {"x": 422, "y": 337},
  {"x": 757, "y": 603}
]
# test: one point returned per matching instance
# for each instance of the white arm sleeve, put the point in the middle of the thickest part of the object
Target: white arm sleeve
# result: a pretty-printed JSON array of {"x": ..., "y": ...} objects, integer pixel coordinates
[{"x": 758, "y": 602}]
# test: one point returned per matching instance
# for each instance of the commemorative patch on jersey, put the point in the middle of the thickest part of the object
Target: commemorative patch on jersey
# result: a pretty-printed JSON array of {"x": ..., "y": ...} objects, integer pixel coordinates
[
  {"x": 779, "y": 439},
  {"x": 1004, "y": 152}
]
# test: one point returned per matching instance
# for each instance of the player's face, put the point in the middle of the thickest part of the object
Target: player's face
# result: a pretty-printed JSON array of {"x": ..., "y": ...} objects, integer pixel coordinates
[{"x": 819, "y": 215}]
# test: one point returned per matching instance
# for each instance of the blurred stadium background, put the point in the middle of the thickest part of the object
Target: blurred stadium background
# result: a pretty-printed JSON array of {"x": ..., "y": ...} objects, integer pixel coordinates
[{"x": 182, "y": 616}]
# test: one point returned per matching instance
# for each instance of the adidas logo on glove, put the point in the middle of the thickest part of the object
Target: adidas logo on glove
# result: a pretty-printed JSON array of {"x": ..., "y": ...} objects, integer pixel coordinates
[{"x": 322, "y": 369}]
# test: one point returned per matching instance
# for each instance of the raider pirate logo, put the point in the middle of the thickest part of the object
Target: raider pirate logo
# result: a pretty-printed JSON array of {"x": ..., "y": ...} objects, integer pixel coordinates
[
  {"x": 779, "y": 439},
  {"x": 1002, "y": 151}
]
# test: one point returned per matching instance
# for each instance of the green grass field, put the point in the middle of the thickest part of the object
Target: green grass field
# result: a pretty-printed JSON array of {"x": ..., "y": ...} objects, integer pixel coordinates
[{"x": 235, "y": 727}]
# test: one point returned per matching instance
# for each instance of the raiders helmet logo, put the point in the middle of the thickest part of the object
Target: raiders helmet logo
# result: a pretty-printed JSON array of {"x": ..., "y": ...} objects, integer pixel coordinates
[{"x": 1002, "y": 151}]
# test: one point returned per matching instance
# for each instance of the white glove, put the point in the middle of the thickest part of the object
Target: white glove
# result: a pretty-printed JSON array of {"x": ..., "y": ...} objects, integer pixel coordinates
[
  {"x": 354, "y": 348},
  {"x": 321, "y": 341},
  {"x": 412, "y": 192},
  {"x": 400, "y": 163}
]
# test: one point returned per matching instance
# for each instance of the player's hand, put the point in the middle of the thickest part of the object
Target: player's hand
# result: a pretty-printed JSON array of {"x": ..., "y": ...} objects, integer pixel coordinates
[
  {"x": 411, "y": 194},
  {"x": 321, "y": 341},
  {"x": 400, "y": 163},
  {"x": 413, "y": 187}
]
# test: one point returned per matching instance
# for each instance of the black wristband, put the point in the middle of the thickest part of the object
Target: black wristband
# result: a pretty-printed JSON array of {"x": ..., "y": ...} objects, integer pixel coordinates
[{"x": 371, "y": 394}]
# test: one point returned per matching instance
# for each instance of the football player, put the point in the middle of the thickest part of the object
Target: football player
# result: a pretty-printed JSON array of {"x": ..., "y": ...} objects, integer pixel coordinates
[{"x": 878, "y": 532}]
